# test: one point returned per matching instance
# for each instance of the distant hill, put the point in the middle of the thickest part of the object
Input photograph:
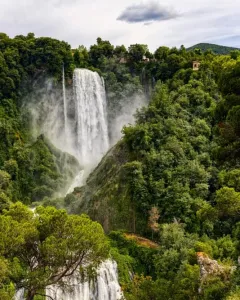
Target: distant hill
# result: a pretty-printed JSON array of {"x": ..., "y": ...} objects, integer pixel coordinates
[{"x": 215, "y": 48}]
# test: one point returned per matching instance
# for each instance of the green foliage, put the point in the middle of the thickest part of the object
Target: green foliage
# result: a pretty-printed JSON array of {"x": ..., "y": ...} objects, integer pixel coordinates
[
  {"x": 44, "y": 247},
  {"x": 125, "y": 266},
  {"x": 99, "y": 51},
  {"x": 228, "y": 202},
  {"x": 81, "y": 57},
  {"x": 181, "y": 157},
  {"x": 33, "y": 169},
  {"x": 135, "y": 56},
  {"x": 161, "y": 53},
  {"x": 133, "y": 257}
]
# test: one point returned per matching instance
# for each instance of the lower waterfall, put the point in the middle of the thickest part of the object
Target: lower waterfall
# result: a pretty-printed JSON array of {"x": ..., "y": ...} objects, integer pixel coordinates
[
  {"x": 19, "y": 295},
  {"x": 104, "y": 287}
]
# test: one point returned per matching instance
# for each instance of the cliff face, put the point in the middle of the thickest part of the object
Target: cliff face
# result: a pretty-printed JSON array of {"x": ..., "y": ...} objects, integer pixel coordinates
[
  {"x": 105, "y": 195},
  {"x": 212, "y": 271},
  {"x": 208, "y": 266},
  {"x": 53, "y": 169}
]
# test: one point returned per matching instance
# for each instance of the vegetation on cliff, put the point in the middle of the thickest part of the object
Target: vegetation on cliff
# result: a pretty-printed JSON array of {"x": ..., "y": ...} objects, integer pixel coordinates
[{"x": 174, "y": 178}]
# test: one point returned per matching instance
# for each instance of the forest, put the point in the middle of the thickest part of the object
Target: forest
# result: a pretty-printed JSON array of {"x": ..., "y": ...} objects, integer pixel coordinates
[{"x": 172, "y": 180}]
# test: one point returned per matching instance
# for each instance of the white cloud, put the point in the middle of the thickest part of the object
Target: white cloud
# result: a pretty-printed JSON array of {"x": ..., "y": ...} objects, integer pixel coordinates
[{"x": 82, "y": 21}]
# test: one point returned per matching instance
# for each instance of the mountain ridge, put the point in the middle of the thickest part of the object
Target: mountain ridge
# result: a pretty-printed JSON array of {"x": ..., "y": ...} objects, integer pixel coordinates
[{"x": 218, "y": 49}]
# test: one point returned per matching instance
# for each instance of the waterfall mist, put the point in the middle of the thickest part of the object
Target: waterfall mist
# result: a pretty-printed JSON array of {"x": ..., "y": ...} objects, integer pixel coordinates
[
  {"x": 124, "y": 115},
  {"x": 74, "y": 120}
]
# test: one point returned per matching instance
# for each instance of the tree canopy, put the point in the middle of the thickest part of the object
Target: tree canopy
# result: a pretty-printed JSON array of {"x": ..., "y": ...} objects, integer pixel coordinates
[{"x": 44, "y": 247}]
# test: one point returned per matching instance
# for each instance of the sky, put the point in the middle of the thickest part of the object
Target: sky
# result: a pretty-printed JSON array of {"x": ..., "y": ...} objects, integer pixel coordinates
[{"x": 155, "y": 23}]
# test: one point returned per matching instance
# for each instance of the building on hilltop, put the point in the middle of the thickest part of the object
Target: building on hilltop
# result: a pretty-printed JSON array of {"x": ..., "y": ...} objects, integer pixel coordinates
[
  {"x": 145, "y": 59},
  {"x": 123, "y": 60},
  {"x": 196, "y": 65}
]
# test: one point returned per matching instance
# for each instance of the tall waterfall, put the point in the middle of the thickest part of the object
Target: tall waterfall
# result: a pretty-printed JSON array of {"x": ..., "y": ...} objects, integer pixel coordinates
[
  {"x": 91, "y": 116},
  {"x": 74, "y": 121}
]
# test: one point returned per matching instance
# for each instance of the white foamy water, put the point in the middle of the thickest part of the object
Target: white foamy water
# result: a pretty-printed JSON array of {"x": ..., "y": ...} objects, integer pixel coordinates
[
  {"x": 91, "y": 116},
  {"x": 78, "y": 181},
  {"x": 105, "y": 287}
]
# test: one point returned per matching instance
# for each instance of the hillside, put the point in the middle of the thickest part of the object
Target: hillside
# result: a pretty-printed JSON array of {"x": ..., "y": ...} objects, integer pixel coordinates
[
  {"x": 217, "y": 49},
  {"x": 167, "y": 194}
]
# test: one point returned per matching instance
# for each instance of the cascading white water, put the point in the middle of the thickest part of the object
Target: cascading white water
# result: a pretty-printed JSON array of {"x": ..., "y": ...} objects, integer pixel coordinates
[
  {"x": 64, "y": 104},
  {"x": 19, "y": 295},
  {"x": 78, "y": 181},
  {"x": 91, "y": 117},
  {"x": 104, "y": 287},
  {"x": 75, "y": 122},
  {"x": 90, "y": 134}
]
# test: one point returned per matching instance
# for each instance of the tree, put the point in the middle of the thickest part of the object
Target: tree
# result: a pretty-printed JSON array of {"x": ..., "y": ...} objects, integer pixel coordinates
[
  {"x": 80, "y": 57},
  {"x": 198, "y": 51},
  {"x": 137, "y": 51},
  {"x": 7, "y": 289},
  {"x": 235, "y": 54},
  {"x": 153, "y": 219},
  {"x": 233, "y": 118},
  {"x": 228, "y": 202},
  {"x": 48, "y": 246},
  {"x": 100, "y": 50},
  {"x": 120, "y": 51},
  {"x": 161, "y": 53},
  {"x": 4, "y": 180}
]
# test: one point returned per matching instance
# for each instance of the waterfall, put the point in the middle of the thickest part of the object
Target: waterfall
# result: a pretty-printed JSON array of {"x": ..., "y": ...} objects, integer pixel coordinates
[
  {"x": 91, "y": 116},
  {"x": 78, "y": 181},
  {"x": 64, "y": 103},
  {"x": 74, "y": 121},
  {"x": 90, "y": 129},
  {"x": 19, "y": 295},
  {"x": 104, "y": 287}
]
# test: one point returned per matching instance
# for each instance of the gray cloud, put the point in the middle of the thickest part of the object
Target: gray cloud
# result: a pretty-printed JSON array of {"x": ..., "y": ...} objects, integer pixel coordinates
[{"x": 147, "y": 13}]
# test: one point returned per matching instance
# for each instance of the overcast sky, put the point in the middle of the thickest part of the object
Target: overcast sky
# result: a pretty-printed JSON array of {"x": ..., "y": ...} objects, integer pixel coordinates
[{"x": 156, "y": 23}]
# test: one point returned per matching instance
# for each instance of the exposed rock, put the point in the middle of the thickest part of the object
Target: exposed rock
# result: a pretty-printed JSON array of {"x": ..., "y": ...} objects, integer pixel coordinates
[{"x": 208, "y": 266}]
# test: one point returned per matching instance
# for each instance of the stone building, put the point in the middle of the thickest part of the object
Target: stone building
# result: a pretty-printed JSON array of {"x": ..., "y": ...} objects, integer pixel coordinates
[{"x": 196, "y": 65}]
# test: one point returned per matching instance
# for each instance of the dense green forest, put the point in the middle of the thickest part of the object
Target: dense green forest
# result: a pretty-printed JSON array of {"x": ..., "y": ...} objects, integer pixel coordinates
[
  {"x": 217, "y": 49},
  {"x": 173, "y": 178}
]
